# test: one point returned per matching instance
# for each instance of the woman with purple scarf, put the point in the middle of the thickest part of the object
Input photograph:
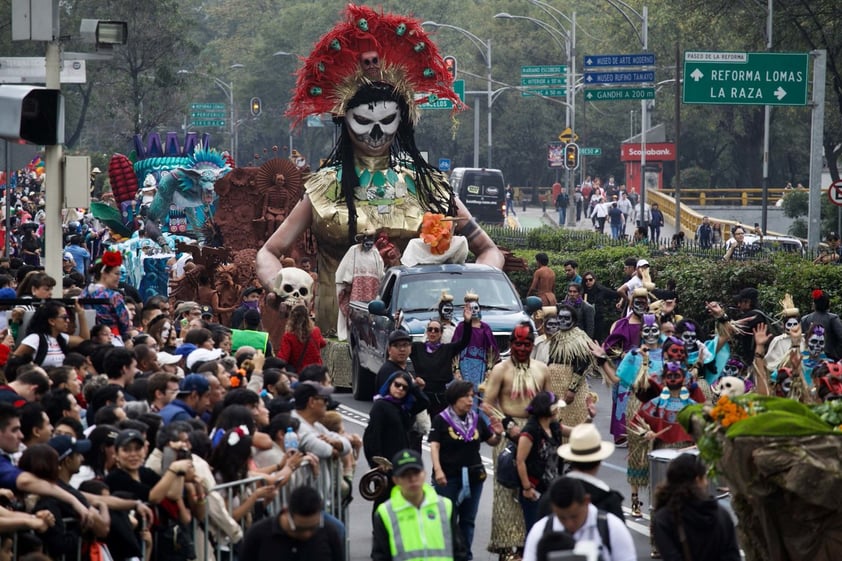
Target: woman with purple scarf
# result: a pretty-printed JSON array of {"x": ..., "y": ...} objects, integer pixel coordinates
[{"x": 455, "y": 438}]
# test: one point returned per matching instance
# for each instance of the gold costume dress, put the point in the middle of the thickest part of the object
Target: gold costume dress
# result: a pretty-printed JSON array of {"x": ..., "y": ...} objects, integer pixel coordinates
[{"x": 386, "y": 199}]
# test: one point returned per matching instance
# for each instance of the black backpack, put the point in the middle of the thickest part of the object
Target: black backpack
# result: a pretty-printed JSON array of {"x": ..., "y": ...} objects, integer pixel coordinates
[
  {"x": 43, "y": 347},
  {"x": 601, "y": 526}
]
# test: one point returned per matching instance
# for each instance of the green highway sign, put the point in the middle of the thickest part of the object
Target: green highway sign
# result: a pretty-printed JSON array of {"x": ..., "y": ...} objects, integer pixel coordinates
[
  {"x": 208, "y": 123},
  {"x": 539, "y": 70},
  {"x": 458, "y": 87},
  {"x": 544, "y": 81},
  {"x": 746, "y": 78},
  {"x": 207, "y": 107},
  {"x": 590, "y": 151},
  {"x": 207, "y": 114},
  {"x": 619, "y": 94},
  {"x": 546, "y": 92}
]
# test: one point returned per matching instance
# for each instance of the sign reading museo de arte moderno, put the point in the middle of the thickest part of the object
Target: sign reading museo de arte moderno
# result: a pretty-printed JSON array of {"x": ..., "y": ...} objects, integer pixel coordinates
[
  {"x": 629, "y": 70},
  {"x": 733, "y": 78}
]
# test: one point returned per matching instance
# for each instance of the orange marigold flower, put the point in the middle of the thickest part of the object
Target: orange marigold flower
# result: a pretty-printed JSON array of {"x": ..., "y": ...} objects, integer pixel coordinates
[{"x": 436, "y": 232}]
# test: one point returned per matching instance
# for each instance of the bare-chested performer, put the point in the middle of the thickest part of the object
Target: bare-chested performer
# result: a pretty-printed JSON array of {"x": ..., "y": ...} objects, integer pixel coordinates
[{"x": 510, "y": 387}]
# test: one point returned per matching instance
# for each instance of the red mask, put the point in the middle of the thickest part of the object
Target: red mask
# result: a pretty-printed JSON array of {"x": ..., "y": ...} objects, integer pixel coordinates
[
  {"x": 522, "y": 343},
  {"x": 674, "y": 375},
  {"x": 676, "y": 353}
]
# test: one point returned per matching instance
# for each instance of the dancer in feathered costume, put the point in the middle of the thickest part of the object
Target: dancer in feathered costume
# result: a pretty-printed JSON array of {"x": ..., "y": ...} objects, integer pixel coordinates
[{"x": 570, "y": 358}]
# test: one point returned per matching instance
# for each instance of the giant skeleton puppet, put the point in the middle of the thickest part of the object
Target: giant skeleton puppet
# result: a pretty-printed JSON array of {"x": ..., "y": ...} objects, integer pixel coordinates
[{"x": 370, "y": 71}]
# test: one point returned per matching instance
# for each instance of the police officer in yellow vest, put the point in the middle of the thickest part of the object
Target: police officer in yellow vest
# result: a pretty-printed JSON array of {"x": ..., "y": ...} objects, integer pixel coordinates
[{"x": 415, "y": 523}]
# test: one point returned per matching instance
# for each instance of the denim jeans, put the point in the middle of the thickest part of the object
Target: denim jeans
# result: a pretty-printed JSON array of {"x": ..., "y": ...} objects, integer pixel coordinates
[
  {"x": 616, "y": 231},
  {"x": 562, "y": 212},
  {"x": 466, "y": 512},
  {"x": 530, "y": 511}
]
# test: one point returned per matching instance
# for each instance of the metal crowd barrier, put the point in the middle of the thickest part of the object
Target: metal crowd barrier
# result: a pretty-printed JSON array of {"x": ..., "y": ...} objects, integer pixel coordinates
[
  {"x": 67, "y": 522},
  {"x": 328, "y": 483}
]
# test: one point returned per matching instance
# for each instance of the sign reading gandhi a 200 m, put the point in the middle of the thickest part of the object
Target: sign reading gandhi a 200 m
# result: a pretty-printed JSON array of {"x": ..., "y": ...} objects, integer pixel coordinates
[{"x": 746, "y": 78}]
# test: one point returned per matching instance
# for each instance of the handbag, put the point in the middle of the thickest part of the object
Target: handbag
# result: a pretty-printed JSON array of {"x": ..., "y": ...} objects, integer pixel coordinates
[{"x": 506, "y": 470}]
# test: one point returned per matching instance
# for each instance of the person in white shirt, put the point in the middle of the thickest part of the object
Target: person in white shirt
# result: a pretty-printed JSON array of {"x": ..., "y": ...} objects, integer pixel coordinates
[{"x": 574, "y": 513}]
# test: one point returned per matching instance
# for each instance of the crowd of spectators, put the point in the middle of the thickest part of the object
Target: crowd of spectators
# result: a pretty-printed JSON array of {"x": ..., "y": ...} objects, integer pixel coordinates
[{"x": 141, "y": 433}]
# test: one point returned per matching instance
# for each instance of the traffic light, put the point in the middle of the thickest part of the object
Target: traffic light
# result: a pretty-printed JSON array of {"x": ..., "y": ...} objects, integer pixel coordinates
[
  {"x": 450, "y": 64},
  {"x": 33, "y": 114},
  {"x": 571, "y": 156},
  {"x": 256, "y": 106}
]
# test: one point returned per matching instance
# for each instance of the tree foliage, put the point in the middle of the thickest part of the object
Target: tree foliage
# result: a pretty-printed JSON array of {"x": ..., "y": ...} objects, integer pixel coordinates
[{"x": 141, "y": 90}]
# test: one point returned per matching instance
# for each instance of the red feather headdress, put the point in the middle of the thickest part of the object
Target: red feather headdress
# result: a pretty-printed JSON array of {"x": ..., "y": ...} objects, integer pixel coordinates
[{"x": 371, "y": 46}]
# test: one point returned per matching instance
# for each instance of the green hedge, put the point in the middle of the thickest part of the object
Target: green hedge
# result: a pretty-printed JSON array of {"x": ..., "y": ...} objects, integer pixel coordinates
[{"x": 698, "y": 279}]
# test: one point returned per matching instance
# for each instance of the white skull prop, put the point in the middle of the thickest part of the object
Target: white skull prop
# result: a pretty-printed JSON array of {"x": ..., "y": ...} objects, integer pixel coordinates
[
  {"x": 373, "y": 126},
  {"x": 293, "y": 285},
  {"x": 730, "y": 386}
]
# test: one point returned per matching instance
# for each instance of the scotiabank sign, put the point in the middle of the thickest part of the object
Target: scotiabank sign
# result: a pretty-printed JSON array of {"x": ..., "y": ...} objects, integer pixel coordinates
[{"x": 656, "y": 152}]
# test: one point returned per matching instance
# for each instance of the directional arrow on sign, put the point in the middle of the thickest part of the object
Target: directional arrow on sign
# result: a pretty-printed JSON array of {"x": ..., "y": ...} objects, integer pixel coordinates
[
  {"x": 697, "y": 75},
  {"x": 780, "y": 93}
]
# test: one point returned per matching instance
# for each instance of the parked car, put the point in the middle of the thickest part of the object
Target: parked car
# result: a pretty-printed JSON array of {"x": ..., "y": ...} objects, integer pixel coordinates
[
  {"x": 767, "y": 244},
  {"x": 415, "y": 292}
]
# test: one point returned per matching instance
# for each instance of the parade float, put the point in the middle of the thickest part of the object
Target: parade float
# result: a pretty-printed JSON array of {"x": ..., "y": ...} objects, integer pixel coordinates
[{"x": 782, "y": 462}]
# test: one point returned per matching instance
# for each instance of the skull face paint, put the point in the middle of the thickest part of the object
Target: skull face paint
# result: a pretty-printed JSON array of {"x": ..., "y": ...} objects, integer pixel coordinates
[
  {"x": 734, "y": 367},
  {"x": 689, "y": 339},
  {"x": 815, "y": 344},
  {"x": 373, "y": 126},
  {"x": 446, "y": 311},
  {"x": 565, "y": 320},
  {"x": 640, "y": 305},
  {"x": 790, "y": 324},
  {"x": 368, "y": 243},
  {"x": 650, "y": 332},
  {"x": 476, "y": 311},
  {"x": 551, "y": 326}
]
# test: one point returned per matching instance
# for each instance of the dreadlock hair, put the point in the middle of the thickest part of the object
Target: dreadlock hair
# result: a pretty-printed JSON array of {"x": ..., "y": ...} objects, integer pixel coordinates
[{"x": 403, "y": 145}]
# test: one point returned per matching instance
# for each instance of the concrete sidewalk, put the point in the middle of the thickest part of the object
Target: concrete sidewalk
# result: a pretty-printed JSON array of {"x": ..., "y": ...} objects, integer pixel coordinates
[{"x": 535, "y": 217}]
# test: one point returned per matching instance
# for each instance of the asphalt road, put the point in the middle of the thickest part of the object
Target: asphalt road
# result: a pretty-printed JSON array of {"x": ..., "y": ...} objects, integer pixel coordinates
[
  {"x": 613, "y": 469},
  {"x": 613, "y": 472}
]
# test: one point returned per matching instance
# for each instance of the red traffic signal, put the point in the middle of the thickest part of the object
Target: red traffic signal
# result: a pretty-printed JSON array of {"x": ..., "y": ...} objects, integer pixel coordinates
[
  {"x": 571, "y": 156},
  {"x": 450, "y": 65}
]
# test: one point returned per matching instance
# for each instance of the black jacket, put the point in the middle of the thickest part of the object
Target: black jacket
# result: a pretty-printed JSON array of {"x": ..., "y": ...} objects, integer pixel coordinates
[
  {"x": 710, "y": 532},
  {"x": 389, "y": 425}
]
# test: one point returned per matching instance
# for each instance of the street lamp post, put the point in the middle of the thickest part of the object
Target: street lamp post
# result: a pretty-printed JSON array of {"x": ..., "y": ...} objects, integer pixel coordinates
[
  {"x": 485, "y": 49},
  {"x": 569, "y": 47},
  {"x": 287, "y": 53},
  {"x": 643, "y": 35}
]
